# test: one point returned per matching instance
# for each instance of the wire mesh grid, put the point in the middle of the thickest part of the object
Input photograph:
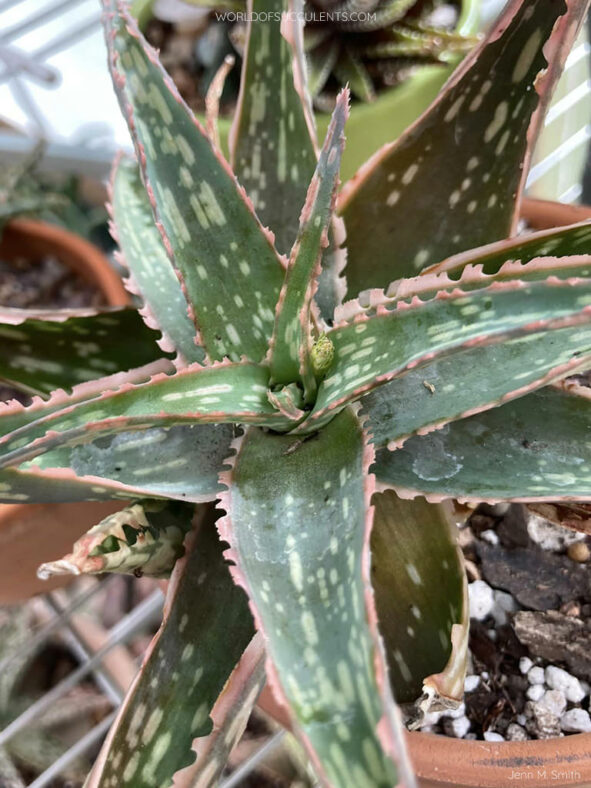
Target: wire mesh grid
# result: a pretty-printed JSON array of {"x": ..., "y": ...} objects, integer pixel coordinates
[
  {"x": 556, "y": 173},
  {"x": 102, "y": 657}
]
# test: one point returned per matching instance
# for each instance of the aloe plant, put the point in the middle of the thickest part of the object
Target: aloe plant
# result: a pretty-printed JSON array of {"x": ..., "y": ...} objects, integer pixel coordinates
[
  {"x": 370, "y": 46},
  {"x": 317, "y": 439}
]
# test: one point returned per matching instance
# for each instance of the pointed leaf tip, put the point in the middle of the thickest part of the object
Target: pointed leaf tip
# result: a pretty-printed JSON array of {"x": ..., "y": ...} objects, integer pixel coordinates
[{"x": 294, "y": 321}]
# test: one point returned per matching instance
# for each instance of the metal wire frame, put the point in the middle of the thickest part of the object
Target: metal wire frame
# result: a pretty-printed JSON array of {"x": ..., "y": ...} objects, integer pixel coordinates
[{"x": 20, "y": 64}]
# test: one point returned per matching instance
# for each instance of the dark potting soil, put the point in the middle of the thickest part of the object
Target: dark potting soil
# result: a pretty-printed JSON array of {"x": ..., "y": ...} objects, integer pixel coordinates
[
  {"x": 47, "y": 284},
  {"x": 43, "y": 284},
  {"x": 530, "y": 632}
]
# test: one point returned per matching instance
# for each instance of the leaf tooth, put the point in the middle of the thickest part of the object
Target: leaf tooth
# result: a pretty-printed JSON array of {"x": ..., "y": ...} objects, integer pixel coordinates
[{"x": 426, "y": 287}]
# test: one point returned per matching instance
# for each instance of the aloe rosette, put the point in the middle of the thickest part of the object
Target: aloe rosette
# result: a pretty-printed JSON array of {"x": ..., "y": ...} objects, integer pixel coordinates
[{"x": 277, "y": 440}]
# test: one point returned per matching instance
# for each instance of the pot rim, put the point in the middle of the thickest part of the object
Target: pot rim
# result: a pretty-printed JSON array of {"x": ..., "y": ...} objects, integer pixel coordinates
[{"x": 75, "y": 252}]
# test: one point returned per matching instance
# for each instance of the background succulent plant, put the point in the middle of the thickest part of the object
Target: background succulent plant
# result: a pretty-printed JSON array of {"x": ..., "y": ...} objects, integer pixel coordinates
[
  {"x": 315, "y": 424},
  {"x": 373, "y": 47},
  {"x": 370, "y": 47}
]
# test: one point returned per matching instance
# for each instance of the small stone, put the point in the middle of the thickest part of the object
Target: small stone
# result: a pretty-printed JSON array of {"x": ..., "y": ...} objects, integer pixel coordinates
[
  {"x": 521, "y": 719},
  {"x": 536, "y": 675},
  {"x": 525, "y": 663},
  {"x": 579, "y": 552},
  {"x": 457, "y": 728},
  {"x": 456, "y": 713},
  {"x": 576, "y": 721},
  {"x": 470, "y": 683},
  {"x": 504, "y": 604},
  {"x": 554, "y": 701},
  {"x": 554, "y": 538},
  {"x": 481, "y": 599},
  {"x": 541, "y": 722},
  {"x": 490, "y": 536},
  {"x": 431, "y": 718},
  {"x": 559, "y": 679},
  {"x": 493, "y": 736},
  {"x": 585, "y": 687},
  {"x": 535, "y": 692},
  {"x": 516, "y": 732}
]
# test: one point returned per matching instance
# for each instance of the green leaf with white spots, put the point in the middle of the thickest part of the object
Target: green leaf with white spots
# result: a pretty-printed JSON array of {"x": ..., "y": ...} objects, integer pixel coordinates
[
  {"x": 230, "y": 716},
  {"x": 145, "y": 538},
  {"x": 43, "y": 352},
  {"x": 230, "y": 270},
  {"x": 179, "y": 462},
  {"x": 535, "y": 448},
  {"x": 206, "y": 628},
  {"x": 451, "y": 388},
  {"x": 452, "y": 181},
  {"x": 558, "y": 242},
  {"x": 298, "y": 524},
  {"x": 420, "y": 589},
  {"x": 152, "y": 276},
  {"x": 371, "y": 351},
  {"x": 471, "y": 277},
  {"x": 55, "y": 486},
  {"x": 13, "y": 414},
  {"x": 272, "y": 143},
  {"x": 195, "y": 395},
  {"x": 292, "y": 336}
]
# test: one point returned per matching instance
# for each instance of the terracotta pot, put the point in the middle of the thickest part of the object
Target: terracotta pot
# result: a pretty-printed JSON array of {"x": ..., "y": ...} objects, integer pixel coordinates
[
  {"x": 441, "y": 761},
  {"x": 544, "y": 214},
  {"x": 33, "y": 533},
  {"x": 31, "y": 239}
]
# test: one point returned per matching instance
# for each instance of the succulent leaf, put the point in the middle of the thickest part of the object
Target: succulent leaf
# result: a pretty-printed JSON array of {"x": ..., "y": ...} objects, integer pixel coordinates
[
  {"x": 42, "y": 351},
  {"x": 370, "y": 351},
  {"x": 205, "y": 630},
  {"x": 151, "y": 275},
  {"x": 558, "y": 242},
  {"x": 226, "y": 392},
  {"x": 14, "y": 415},
  {"x": 271, "y": 142},
  {"x": 429, "y": 285},
  {"x": 229, "y": 268},
  {"x": 453, "y": 180},
  {"x": 145, "y": 538},
  {"x": 420, "y": 591},
  {"x": 291, "y": 344},
  {"x": 56, "y": 486},
  {"x": 326, "y": 662},
  {"x": 229, "y": 715},
  {"x": 532, "y": 449},
  {"x": 455, "y": 387},
  {"x": 180, "y": 462}
]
